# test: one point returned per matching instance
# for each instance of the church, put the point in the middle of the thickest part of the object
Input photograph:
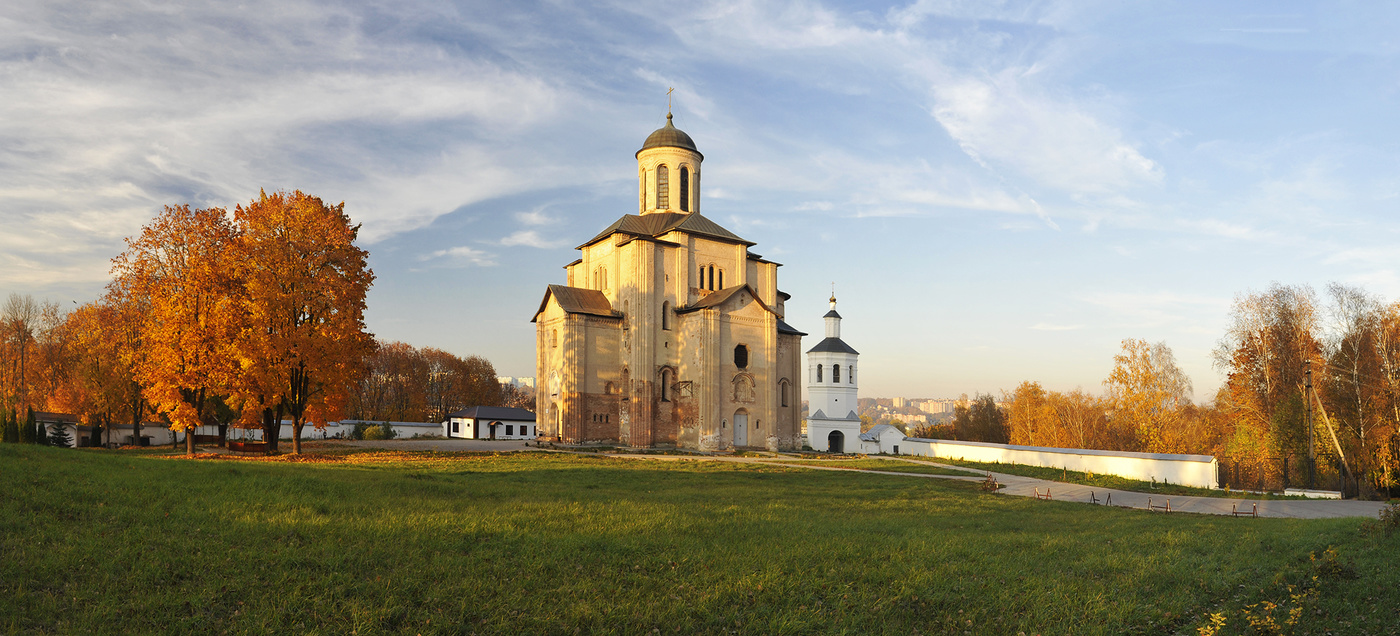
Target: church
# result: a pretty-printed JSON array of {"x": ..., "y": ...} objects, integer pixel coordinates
[{"x": 668, "y": 331}]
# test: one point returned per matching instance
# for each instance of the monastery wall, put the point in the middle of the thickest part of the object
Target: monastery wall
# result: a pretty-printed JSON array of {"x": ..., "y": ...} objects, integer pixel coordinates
[{"x": 1187, "y": 470}]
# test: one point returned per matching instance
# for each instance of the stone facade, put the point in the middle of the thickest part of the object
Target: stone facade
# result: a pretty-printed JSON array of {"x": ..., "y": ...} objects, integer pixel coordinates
[{"x": 668, "y": 332}]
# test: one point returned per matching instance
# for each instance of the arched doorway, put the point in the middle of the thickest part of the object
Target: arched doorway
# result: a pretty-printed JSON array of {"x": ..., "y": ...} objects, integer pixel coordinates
[
  {"x": 741, "y": 428},
  {"x": 836, "y": 442}
]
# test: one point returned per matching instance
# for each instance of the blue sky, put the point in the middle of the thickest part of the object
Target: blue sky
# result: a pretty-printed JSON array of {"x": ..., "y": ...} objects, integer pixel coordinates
[{"x": 1001, "y": 191}]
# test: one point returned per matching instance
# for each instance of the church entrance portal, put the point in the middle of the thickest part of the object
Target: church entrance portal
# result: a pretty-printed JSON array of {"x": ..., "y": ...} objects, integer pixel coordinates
[
  {"x": 836, "y": 442},
  {"x": 741, "y": 428}
]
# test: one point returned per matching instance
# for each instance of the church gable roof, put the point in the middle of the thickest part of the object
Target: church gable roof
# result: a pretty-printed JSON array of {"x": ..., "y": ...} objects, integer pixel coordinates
[
  {"x": 723, "y": 296},
  {"x": 576, "y": 300},
  {"x": 786, "y": 328},
  {"x": 832, "y": 345},
  {"x": 656, "y": 225}
]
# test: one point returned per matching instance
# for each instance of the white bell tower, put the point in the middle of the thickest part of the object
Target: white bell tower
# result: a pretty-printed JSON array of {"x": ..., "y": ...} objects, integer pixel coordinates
[{"x": 832, "y": 423}]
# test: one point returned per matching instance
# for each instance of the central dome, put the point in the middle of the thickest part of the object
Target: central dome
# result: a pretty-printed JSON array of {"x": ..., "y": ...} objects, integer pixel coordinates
[{"x": 669, "y": 136}]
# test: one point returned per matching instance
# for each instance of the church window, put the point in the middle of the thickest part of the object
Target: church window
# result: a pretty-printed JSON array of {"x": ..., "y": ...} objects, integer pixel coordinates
[
  {"x": 783, "y": 392},
  {"x": 851, "y": 375},
  {"x": 663, "y": 188},
  {"x": 819, "y": 373},
  {"x": 711, "y": 286},
  {"x": 554, "y": 339},
  {"x": 665, "y": 385},
  {"x": 685, "y": 189},
  {"x": 741, "y": 357},
  {"x": 666, "y": 314},
  {"x": 702, "y": 277},
  {"x": 721, "y": 280},
  {"x": 695, "y": 192},
  {"x": 836, "y": 373}
]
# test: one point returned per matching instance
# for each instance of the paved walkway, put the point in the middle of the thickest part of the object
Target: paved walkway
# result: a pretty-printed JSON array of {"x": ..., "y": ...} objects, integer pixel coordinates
[{"x": 1018, "y": 486}]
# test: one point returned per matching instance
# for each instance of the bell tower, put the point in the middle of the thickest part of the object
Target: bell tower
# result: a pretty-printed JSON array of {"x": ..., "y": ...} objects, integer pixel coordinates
[
  {"x": 831, "y": 390},
  {"x": 668, "y": 172}
]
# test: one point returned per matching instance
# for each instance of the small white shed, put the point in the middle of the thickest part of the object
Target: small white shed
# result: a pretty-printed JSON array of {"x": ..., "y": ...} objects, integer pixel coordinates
[
  {"x": 490, "y": 422},
  {"x": 882, "y": 439}
]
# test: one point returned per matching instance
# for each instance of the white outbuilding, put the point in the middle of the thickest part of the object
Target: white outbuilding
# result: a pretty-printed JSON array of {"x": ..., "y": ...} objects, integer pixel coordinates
[{"x": 490, "y": 422}]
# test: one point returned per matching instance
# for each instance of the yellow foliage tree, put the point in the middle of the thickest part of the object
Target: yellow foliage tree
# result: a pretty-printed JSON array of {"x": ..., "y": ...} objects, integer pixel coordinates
[{"x": 1147, "y": 388}]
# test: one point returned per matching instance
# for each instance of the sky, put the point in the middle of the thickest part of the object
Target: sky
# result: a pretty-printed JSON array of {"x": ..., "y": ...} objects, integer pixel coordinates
[{"x": 999, "y": 191}]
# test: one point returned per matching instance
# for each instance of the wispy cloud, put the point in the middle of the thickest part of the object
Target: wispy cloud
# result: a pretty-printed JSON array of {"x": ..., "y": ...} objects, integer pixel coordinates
[
  {"x": 530, "y": 238},
  {"x": 461, "y": 256}
]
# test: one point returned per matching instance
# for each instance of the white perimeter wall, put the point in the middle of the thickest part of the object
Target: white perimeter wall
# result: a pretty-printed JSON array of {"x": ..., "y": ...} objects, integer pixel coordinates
[{"x": 1186, "y": 470}]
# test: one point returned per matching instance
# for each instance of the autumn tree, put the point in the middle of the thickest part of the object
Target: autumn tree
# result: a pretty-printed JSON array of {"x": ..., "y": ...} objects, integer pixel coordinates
[
  {"x": 1146, "y": 388},
  {"x": 1357, "y": 390},
  {"x": 980, "y": 420},
  {"x": 1264, "y": 354},
  {"x": 302, "y": 338},
  {"x": 180, "y": 271}
]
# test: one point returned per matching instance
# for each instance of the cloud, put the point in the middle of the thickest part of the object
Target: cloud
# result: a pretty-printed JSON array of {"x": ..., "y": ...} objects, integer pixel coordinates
[
  {"x": 535, "y": 217},
  {"x": 1002, "y": 120},
  {"x": 530, "y": 238},
  {"x": 462, "y": 256}
]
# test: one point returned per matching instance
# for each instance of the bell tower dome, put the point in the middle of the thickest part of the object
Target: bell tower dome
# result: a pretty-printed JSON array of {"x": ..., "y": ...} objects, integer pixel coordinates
[{"x": 668, "y": 172}]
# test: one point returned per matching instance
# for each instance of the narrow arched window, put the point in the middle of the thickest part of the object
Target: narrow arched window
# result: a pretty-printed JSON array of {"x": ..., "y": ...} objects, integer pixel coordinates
[
  {"x": 819, "y": 373},
  {"x": 701, "y": 285},
  {"x": 721, "y": 279},
  {"x": 685, "y": 189},
  {"x": 665, "y": 385},
  {"x": 666, "y": 314},
  {"x": 783, "y": 392},
  {"x": 554, "y": 339},
  {"x": 851, "y": 375},
  {"x": 663, "y": 188},
  {"x": 711, "y": 286},
  {"x": 836, "y": 374}
]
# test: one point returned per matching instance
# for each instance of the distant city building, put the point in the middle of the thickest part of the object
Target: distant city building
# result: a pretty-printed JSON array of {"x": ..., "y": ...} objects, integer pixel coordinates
[
  {"x": 899, "y": 402},
  {"x": 831, "y": 389},
  {"x": 524, "y": 383}
]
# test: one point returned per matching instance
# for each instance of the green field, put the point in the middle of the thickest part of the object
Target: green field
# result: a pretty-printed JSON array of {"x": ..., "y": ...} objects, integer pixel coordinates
[
  {"x": 883, "y": 466},
  {"x": 382, "y": 542}
]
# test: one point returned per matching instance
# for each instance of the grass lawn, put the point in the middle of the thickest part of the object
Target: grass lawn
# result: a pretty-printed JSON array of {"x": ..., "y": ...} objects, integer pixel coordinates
[
  {"x": 1109, "y": 481},
  {"x": 394, "y": 542},
  {"x": 884, "y": 466}
]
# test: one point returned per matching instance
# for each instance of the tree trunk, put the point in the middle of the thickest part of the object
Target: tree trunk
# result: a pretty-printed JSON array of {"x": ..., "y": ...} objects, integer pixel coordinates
[
  {"x": 296, "y": 435},
  {"x": 223, "y": 435},
  {"x": 136, "y": 422},
  {"x": 189, "y": 441},
  {"x": 272, "y": 427}
]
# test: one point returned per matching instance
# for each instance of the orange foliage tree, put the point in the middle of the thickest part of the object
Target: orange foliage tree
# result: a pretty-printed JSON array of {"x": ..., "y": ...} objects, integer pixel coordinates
[
  {"x": 302, "y": 340},
  {"x": 179, "y": 271}
]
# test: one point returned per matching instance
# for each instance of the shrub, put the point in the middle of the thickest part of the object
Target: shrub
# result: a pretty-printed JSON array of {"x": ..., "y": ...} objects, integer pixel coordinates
[
  {"x": 389, "y": 432},
  {"x": 59, "y": 436},
  {"x": 1390, "y": 518},
  {"x": 359, "y": 431},
  {"x": 373, "y": 432}
]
